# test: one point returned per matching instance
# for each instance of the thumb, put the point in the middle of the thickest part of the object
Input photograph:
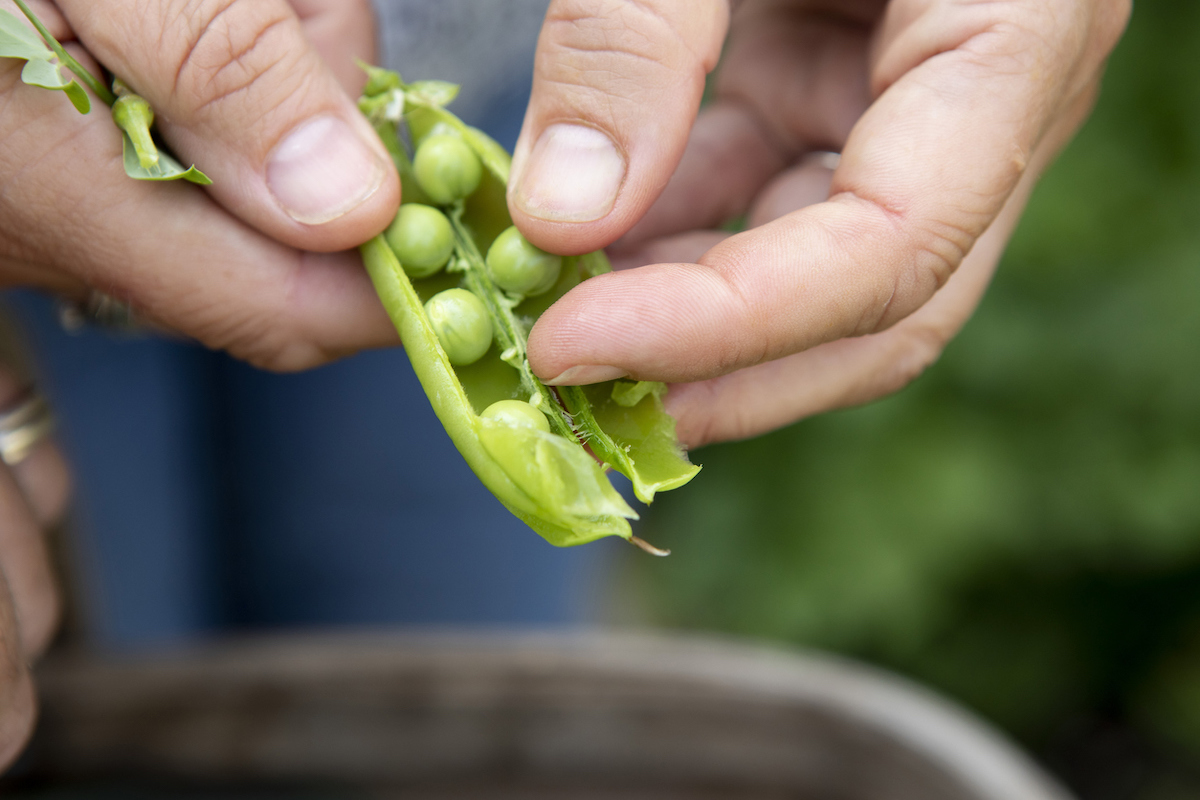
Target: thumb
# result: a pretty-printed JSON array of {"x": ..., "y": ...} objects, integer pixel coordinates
[
  {"x": 240, "y": 91},
  {"x": 616, "y": 88}
]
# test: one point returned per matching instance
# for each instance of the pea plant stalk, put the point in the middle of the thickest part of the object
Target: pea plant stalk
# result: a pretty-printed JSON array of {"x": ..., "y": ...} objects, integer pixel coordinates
[{"x": 509, "y": 335}]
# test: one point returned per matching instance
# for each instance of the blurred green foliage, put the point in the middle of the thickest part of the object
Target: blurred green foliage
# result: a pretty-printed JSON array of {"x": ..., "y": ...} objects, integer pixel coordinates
[{"x": 1021, "y": 527}]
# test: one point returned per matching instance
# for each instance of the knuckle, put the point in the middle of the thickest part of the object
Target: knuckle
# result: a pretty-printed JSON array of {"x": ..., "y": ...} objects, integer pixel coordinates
[
  {"x": 1108, "y": 24},
  {"x": 935, "y": 257},
  {"x": 702, "y": 418},
  {"x": 268, "y": 341},
  {"x": 755, "y": 343},
  {"x": 256, "y": 339},
  {"x": 1113, "y": 19},
  {"x": 626, "y": 49},
  {"x": 939, "y": 248},
  {"x": 285, "y": 357},
  {"x": 917, "y": 348},
  {"x": 228, "y": 48},
  {"x": 931, "y": 249},
  {"x": 1065, "y": 40}
]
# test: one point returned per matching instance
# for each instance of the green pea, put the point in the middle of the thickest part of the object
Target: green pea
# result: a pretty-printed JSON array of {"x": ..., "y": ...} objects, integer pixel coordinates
[
  {"x": 517, "y": 412},
  {"x": 518, "y": 267},
  {"x": 541, "y": 456},
  {"x": 422, "y": 239},
  {"x": 447, "y": 168},
  {"x": 462, "y": 325}
]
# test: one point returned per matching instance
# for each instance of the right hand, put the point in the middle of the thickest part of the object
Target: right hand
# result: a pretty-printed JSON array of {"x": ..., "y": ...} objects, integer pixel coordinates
[
  {"x": 256, "y": 93},
  {"x": 945, "y": 113}
]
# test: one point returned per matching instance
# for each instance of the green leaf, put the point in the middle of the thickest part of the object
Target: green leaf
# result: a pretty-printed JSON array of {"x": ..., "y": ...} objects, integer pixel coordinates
[
  {"x": 43, "y": 73},
  {"x": 645, "y": 449},
  {"x": 629, "y": 393},
  {"x": 48, "y": 75},
  {"x": 41, "y": 65},
  {"x": 78, "y": 97},
  {"x": 379, "y": 80},
  {"x": 167, "y": 168},
  {"x": 18, "y": 41},
  {"x": 67, "y": 60},
  {"x": 432, "y": 93}
]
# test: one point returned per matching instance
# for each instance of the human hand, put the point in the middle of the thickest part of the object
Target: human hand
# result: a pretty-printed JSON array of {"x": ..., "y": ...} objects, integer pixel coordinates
[
  {"x": 255, "y": 93},
  {"x": 846, "y": 286},
  {"x": 33, "y": 494}
]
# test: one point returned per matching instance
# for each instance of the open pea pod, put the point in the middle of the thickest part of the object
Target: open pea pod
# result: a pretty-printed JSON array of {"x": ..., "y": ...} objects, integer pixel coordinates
[
  {"x": 553, "y": 486},
  {"x": 551, "y": 479}
]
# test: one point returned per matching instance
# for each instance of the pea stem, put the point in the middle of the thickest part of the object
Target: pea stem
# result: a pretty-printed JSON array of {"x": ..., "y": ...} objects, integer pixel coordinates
[
  {"x": 509, "y": 332},
  {"x": 573, "y": 411},
  {"x": 580, "y": 409},
  {"x": 67, "y": 60}
]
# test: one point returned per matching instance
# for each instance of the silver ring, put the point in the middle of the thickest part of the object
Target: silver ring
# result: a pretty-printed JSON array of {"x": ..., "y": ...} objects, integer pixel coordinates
[
  {"x": 23, "y": 426},
  {"x": 99, "y": 309},
  {"x": 828, "y": 159}
]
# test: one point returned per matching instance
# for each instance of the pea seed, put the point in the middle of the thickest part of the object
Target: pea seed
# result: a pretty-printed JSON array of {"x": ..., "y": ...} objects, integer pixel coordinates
[
  {"x": 462, "y": 325},
  {"x": 447, "y": 168},
  {"x": 521, "y": 268},
  {"x": 421, "y": 238},
  {"x": 517, "y": 412}
]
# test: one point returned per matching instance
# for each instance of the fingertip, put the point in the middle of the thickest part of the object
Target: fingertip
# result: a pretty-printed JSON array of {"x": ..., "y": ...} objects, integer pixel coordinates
[
  {"x": 668, "y": 322},
  {"x": 592, "y": 160},
  {"x": 616, "y": 89},
  {"x": 321, "y": 170},
  {"x": 335, "y": 182},
  {"x": 241, "y": 92},
  {"x": 557, "y": 213}
]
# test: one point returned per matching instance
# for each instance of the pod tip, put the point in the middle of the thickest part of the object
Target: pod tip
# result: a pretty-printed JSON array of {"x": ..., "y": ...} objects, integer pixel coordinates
[{"x": 649, "y": 548}]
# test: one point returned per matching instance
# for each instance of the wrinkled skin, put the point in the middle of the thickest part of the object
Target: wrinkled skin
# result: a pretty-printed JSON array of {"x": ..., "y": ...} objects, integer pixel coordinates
[
  {"x": 845, "y": 287},
  {"x": 847, "y": 284},
  {"x": 237, "y": 267}
]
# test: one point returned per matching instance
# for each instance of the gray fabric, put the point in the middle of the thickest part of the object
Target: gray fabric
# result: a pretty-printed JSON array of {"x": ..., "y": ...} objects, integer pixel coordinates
[{"x": 487, "y": 46}]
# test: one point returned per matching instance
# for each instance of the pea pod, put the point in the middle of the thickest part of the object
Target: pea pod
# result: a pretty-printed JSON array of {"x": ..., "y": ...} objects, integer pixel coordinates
[{"x": 554, "y": 480}]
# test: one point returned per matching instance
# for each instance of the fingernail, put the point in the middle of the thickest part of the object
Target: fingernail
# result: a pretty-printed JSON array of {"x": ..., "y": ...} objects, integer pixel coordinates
[
  {"x": 322, "y": 170},
  {"x": 587, "y": 373},
  {"x": 573, "y": 174}
]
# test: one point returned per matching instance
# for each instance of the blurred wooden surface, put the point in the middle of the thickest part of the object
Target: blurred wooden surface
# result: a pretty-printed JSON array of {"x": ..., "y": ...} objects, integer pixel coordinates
[{"x": 518, "y": 715}]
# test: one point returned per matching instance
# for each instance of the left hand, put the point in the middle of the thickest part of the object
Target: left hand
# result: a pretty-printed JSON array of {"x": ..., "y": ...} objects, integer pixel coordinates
[
  {"x": 847, "y": 285},
  {"x": 257, "y": 93},
  {"x": 33, "y": 495}
]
